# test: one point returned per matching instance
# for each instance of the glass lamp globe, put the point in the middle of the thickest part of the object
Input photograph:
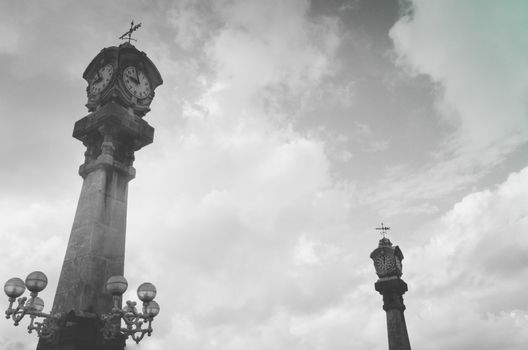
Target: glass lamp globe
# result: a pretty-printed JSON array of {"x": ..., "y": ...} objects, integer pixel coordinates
[
  {"x": 146, "y": 292},
  {"x": 14, "y": 287},
  {"x": 37, "y": 304},
  {"x": 116, "y": 285},
  {"x": 36, "y": 281},
  {"x": 152, "y": 309}
]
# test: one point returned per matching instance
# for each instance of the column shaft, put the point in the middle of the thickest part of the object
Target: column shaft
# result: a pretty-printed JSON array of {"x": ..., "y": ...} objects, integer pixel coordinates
[
  {"x": 96, "y": 248},
  {"x": 397, "y": 330}
]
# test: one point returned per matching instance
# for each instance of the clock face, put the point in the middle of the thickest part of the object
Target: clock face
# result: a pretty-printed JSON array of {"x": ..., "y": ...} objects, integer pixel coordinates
[
  {"x": 136, "y": 82},
  {"x": 101, "y": 79},
  {"x": 384, "y": 264}
]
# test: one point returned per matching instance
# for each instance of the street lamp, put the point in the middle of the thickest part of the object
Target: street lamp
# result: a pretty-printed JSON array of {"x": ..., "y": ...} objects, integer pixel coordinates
[
  {"x": 134, "y": 321},
  {"x": 35, "y": 282}
]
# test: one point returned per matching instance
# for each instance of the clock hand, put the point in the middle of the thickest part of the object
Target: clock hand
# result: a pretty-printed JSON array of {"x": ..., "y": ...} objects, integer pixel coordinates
[{"x": 136, "y": 81}]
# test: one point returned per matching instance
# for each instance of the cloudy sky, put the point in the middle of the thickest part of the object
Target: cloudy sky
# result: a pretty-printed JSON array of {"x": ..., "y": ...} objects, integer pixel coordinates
[{"x": 286, "y": 131}]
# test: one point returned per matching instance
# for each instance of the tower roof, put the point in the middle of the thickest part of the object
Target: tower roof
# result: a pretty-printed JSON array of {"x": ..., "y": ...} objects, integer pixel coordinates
[{"x": 384, "y": 242}]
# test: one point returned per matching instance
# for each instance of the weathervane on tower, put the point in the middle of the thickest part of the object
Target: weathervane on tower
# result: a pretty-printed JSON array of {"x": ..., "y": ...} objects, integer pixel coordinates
[
  {"x": 383, "y": 230},
  {"x": 128, "y": 35}
]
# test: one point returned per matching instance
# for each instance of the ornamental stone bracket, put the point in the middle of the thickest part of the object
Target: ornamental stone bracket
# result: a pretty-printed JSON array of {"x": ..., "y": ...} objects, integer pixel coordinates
[
  {"x": 111, "y": 135},
  {"x": 392, "y": 291}
]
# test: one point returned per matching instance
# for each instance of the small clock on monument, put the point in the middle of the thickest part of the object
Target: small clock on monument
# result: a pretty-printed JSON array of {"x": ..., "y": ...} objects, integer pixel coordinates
[
  {"x": 387, "y": 260},
  {"x": 124, "y": 75}
]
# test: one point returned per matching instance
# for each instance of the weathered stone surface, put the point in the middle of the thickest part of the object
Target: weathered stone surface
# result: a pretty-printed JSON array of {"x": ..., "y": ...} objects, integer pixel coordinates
[
  {"x": 114, "y": 115},
  {"x": 397, "y": 330},
  {"x": 96, "y": 248}
]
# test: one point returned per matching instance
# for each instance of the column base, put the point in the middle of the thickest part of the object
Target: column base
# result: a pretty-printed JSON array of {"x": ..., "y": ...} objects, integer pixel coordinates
[{"x": 81, "y": 333}]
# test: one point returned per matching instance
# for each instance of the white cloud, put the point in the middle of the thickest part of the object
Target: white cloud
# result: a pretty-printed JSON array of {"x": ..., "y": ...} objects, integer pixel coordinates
[
  {"x": 193, "y": 22},
  {"x": 476, "y": 53},
  {"x": 34, "y": 237},
  {"x": 267, "y": 51},
  {"x": 10, "y": 39},
  {"x": 472, "y": 271}
]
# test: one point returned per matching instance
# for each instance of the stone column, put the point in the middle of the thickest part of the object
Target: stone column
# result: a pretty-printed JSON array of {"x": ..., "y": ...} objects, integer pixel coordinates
[
  {"x": 96, "y": 248},
  {"x": 392, "y": 291}
]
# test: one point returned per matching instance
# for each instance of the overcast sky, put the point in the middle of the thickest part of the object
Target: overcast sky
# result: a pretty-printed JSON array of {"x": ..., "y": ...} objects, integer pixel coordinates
[{"x": 286, "y": 131}]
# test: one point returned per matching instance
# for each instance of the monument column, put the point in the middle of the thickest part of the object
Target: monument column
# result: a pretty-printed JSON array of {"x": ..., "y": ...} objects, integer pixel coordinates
[
  {"x": 121, "y": 83},
  {"x": 96, "y": 248},
  {"x": 388, "y": 264},
  {"x": 392, "y": 291}
]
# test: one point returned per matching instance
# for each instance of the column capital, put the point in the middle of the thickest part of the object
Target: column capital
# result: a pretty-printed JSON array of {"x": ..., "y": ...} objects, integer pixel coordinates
[
  {"x": 392, "y": 291},
  {"x": 108, "y": 162},
  {"x": 111, "y": 135}
]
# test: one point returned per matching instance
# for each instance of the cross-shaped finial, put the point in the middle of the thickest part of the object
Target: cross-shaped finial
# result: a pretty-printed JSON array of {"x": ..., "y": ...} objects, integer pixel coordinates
[
  {"x": 128, "y": 35},
  {"x": 383, "y": 229}
]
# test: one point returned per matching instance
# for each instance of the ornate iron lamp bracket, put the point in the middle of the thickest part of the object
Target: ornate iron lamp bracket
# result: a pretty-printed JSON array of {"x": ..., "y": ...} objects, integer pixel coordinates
[
  {"x": 136, "y": 324},
  {"x": 32, "y": 306}
]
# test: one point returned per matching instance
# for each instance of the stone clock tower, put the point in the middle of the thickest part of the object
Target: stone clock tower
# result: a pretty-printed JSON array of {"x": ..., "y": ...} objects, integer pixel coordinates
[
  {"x": 121, "y": 83},
  {"x": 388, "y": 264}
]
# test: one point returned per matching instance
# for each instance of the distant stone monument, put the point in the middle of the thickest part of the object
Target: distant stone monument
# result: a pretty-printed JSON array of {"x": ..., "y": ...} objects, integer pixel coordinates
[
  {"x": 121, "y": 82},
  {"x": 388, "y": 264}
]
